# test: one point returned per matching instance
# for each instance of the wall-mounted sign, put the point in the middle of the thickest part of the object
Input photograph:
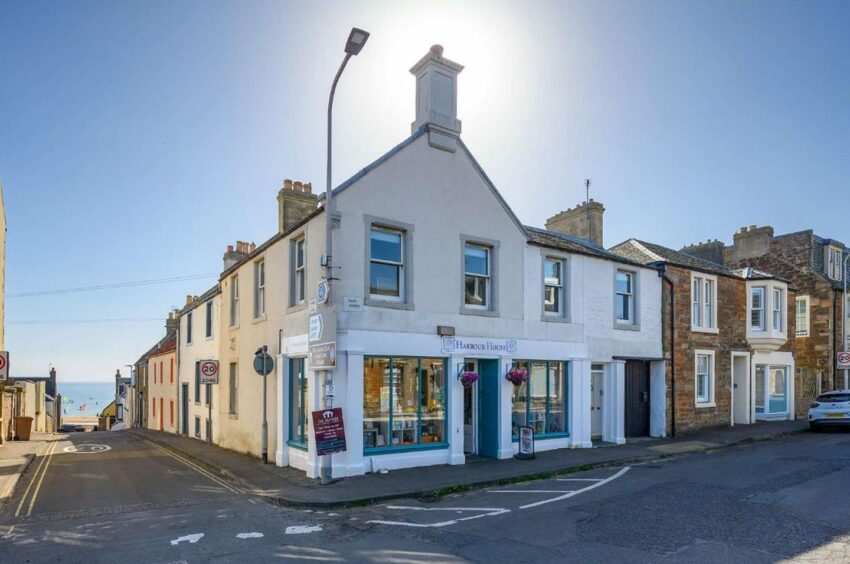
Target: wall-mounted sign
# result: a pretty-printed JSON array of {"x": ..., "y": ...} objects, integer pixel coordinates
[
  {"x": 297, "y": 345},
  {"x": 312, "y": 306},
  {"x": 317, "y": 327},
  {"x": 208, "y": 370},
  {"x": 322, "y": 356},
  {"x": 843, "y": 359},
  {"x": 352, "y": 304},
  {"x": 477, "y": 345},
  {"x": 329, "y": 431},
  {"x": 323, "y": 289}
]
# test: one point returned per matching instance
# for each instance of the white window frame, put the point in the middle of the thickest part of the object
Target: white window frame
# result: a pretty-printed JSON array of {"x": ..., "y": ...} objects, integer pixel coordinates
[
  {"x": 632, "y": 321},
  {"x": 259, "y": 289},
  {"x": 777, "y": 309},
  {"x": 703, "y": 303},
  {"x": 802, "y": 321},
  {"x": 709, "y": 399},
  {"x": 560, "y": 287},
  {"x": 234, "y": 300},
  {"x": 762, "y": 326},
  {"x": 299, "y": 275},
  {"x": 397, "y": 264},
  {"x": 834, "y": 263},
  {"x": 485, "y": 278}
]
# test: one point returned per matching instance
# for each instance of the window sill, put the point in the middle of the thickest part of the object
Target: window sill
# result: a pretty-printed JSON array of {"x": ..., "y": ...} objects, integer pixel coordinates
[
  {"x": 234, "y": 327},
  {"x": 377, "y": 451},
  {"x": 233, "y": 416},
  {"x": 297, "y": 307},
  {"x": 554, "y": 318},
  {"x": 700, "y": 405},
  {"x": 465, "y": 310},
  {"x": 627, "y": 326},
  {"x": 712, "y": 330},
  {"x": 296, "y": 445},
  {"x": 389, "y": 304},
  {"x": 259, "y": 319},
  {"x": 210, "y": 338}
]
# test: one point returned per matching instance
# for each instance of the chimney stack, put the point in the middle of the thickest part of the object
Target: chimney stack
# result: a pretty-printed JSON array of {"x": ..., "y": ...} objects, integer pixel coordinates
[
  {"x": 583, "y": 221},
  {"x": 171, "y": 322},
  {"x": 436, "y": 98},
  {"x": 295, "y": 201},
  {"x": 232, "y": 256},
  {"x": 751, "y": 242},
  {"x": 711, "y": 251}
]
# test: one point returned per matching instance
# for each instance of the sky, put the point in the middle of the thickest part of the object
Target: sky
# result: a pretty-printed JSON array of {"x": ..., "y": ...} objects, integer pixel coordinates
[{"x": 139, "y": 139}]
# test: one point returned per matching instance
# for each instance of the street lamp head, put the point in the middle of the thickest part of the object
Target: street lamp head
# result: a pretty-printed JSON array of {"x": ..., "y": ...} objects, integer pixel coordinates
[{"x": 356, "y": 40}]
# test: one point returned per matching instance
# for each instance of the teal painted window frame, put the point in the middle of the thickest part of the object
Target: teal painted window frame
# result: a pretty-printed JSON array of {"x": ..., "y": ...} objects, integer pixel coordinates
[
  {"x": 567, "y": 371},
  {"x": 390, "y": 449},
  {"x": 293, "y": 441}
]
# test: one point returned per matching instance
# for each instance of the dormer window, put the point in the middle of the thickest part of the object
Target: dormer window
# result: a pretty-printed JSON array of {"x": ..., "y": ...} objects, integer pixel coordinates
[{"x": 833, "y": 263}]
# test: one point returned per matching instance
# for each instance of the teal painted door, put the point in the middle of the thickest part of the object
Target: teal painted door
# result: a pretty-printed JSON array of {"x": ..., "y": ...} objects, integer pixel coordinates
[{"x": 488, "y": 408}]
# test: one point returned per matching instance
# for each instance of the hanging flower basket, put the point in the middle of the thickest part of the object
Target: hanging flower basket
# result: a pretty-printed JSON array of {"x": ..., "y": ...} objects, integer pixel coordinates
[
  {"x": 468, "y": 378},
  {"x": 517, "y": 376}
]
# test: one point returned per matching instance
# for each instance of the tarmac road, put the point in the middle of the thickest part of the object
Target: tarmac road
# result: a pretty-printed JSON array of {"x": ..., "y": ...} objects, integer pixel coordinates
[{"x": 782, "y": 500}]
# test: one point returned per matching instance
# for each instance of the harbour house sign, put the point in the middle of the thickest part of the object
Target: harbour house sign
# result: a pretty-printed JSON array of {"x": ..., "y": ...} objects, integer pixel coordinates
[{"x": 478, "y": 345}]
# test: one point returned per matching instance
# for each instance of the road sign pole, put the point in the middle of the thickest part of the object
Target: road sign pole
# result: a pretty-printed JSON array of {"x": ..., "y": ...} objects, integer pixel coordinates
[
  {"x": 844, "y": 315},
  {"x": 265, "y": 422}
]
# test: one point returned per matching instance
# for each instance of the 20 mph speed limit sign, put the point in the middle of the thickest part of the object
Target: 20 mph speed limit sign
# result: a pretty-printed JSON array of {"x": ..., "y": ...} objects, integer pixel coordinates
[
  {"x": 4, "y": 365},
  {"x": 209, "y": 371},
  {"x": 843, "y": 360}
]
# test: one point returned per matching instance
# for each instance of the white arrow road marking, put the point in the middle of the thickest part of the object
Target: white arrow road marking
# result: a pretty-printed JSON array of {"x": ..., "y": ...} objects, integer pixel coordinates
[
  {"x": 303, "y": 529},
  {"x": 249, "y": 536},
  {"x": 485, "y": 512},
  {"x": 576, "y": 492},
  {"x": 193, "y": 538}
]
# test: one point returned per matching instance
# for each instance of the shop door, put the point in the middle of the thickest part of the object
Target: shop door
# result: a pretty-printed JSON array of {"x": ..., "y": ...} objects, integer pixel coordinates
[
  {"x": 637, "y": 398},
  {"x": 488, "y": 408},
  {"x": 161, "y": 415},
  {"x": 597, "y": 373},
  {"x": 184, "y": 410},
  {"x": 741, "y": 389},
  {"x": 470, "y": 412}
]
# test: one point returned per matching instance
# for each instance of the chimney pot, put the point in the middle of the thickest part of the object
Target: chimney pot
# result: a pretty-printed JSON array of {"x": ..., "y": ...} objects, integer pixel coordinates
[
  {"x": 752, "y": 227},
  {"x": 252, "y": 247},
  {"x": 189, "y": 299},
  {"x": 298, "y": 186},
  {"x": 437, "y": 50},
  {"x": 287, "y": 184},
  {"x": 229, "y": 248},
  {"x": 308, "y": 187}
]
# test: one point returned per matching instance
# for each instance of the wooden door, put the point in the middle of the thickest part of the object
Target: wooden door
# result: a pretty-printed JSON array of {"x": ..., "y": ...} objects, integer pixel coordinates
[{"x": 637, "y": 398}]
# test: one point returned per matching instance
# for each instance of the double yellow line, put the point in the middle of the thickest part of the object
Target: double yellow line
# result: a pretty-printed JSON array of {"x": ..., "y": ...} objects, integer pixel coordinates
[
  {"x": 37, "y": 479},
  {"x": 196, "y": 468}
]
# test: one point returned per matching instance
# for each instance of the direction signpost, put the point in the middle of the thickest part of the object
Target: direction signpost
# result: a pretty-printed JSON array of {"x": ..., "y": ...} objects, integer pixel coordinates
[
  {"x": 263, "y": 365},
  {"x": 208, "y": 370}
]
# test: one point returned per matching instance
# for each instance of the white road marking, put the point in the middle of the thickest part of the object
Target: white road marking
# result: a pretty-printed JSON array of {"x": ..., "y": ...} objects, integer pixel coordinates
[
  {"x": 576, "y": 492},
  {"x": 249, "y": 536},
  {"x": 192, "y": 539},
  {"x": 303, "y": 529},
  {"x": 530, "y": 491},
  {"x": 578, "y": 479},
  {"x": 485, "y": 512},
  {"x": 87, "y": 448}
]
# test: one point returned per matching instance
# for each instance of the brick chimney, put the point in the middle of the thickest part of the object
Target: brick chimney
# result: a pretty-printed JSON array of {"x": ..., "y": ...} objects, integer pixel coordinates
[
  {"x": 751, "y": 242},
  {"x": 584, "y": 221},
  {"x": 171, "y": 321},
  {"x": 295, "y": 201},
  {"x": 232, "y": 256},
  {"x": 711, "y": 250},
  {"x": 436, "y": 98}
]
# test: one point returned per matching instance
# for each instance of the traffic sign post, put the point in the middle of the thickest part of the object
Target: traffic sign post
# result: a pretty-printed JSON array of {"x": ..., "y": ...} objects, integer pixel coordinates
[
  {"x": 843, "y": 359},
  {"x": 263, "y": 365},
  {"x": 208, "y": 374},
  {"x": 4, "y": 365}
]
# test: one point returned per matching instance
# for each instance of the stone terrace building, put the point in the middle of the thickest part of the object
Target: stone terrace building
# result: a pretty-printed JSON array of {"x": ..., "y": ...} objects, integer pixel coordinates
[
  {"x": 812, "y": 264},
  {"x": 724, "y": 370}
]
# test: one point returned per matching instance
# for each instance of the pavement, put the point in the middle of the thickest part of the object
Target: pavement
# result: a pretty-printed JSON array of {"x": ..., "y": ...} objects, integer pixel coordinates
[
  {"x": 108, "y": 497},
  {"x": 290, "y": 487},
  {"x": 16, "y": 456}
]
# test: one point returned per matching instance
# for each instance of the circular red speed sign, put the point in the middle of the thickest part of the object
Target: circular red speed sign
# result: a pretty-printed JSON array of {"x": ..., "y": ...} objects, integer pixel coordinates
[
  {"x": 2, "y": 362},
  {"x": 844, "y": 358},
  {"x": 209, "y": 368}
]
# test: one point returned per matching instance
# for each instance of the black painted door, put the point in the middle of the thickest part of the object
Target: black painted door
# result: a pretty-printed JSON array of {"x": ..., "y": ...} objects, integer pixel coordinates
[
  {"x": 185, "y": 409},
  {"x": 637, "y": 398}
]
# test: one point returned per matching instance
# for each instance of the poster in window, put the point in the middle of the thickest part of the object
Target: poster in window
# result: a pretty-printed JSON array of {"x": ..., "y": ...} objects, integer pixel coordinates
[{"x": 526, "y": 443}]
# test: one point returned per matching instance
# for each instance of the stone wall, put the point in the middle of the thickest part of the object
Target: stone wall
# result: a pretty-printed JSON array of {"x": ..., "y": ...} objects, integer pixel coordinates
[{"x": 731, "y": 311}]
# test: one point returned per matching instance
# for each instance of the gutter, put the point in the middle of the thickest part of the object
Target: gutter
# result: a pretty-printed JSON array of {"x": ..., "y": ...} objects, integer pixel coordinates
[{"x": 662, "y": 272}]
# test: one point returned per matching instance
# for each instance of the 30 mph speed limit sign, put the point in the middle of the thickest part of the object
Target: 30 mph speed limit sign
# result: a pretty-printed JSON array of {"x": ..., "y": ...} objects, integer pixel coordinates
[
  {"x": 844, "y": 360},
  {"x": 209, "y": 371},
  {"x": 4, "y": 365}
]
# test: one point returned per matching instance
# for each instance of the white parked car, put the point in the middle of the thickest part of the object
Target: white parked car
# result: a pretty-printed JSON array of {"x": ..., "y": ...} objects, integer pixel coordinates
[{"x": 831, "y": 408}]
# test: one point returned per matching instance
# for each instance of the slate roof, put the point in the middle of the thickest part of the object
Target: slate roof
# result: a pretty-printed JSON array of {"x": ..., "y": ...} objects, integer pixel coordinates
[
  {"x": 651, "y": 254},
  {"x": 200, "y": 299},
  {"x": 170, "y": 334},
  {"x": 572, "y": 244}
]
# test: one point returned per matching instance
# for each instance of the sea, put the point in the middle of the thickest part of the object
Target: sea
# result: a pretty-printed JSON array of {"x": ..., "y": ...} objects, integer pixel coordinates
[{"x": 85, "y": 399}]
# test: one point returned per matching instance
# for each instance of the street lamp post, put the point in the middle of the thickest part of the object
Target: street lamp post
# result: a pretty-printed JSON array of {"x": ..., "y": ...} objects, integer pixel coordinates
[{"x": 356, "y": 40}]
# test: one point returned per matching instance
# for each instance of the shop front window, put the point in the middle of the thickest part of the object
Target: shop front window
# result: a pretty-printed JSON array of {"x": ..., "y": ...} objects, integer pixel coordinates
[
  {"x": 404, "y": 402},
  {"x": 540, "y": 403},
  {"x": 771, "y": 390}
]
